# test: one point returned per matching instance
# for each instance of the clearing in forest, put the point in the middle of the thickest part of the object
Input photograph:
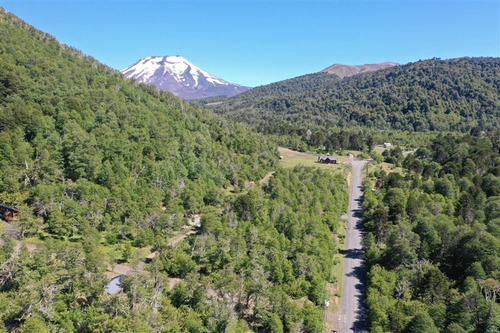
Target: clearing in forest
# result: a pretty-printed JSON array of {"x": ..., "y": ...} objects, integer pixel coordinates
[{"x": 291, "y": 158}]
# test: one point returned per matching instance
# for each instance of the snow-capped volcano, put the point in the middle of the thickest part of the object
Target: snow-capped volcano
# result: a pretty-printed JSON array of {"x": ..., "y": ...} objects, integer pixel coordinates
[{"x": 179, "y": 76}]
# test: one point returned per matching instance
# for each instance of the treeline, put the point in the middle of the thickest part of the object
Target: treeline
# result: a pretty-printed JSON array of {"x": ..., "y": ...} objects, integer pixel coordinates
[
  {"x": 433, "y": 239},
  {"x": 260, "y": 263},
  {"x": 457, "y": 95},
  {"x": 336, "y": 139}
]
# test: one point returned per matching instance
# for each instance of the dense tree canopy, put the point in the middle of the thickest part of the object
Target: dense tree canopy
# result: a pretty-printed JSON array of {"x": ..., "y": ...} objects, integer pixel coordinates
[
  {"x": 456, "y": 95},
  {"x": 433, "y": 241},
  {"x": 260, "y": 262}
]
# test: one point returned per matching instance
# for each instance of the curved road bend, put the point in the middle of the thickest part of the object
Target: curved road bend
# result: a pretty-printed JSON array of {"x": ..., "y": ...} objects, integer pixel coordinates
[{"x": 353, "y": 286}]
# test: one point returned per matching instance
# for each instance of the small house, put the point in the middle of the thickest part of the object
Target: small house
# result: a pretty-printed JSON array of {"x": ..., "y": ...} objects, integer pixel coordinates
[
  {"x": 327, "y": 159},
  {"x": 8, "y": 213},
  {"x": 387, "y": 144}
]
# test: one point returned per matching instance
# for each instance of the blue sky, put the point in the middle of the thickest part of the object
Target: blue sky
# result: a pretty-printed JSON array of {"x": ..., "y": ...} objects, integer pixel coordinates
[{"x": 255, "y": 42}]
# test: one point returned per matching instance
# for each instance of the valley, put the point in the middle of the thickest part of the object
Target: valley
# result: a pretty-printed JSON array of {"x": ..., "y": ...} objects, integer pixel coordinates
[{"x": 162, "y": 198}]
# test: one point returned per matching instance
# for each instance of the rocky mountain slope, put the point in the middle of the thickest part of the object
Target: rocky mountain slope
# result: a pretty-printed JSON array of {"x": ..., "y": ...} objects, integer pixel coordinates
[
  {"x": 348, "y": 70},
  {"x": 181, "y": 77}
]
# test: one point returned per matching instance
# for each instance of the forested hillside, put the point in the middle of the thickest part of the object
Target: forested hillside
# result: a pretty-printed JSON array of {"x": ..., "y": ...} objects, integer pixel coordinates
[
  {"x": 105, "y": 170},
  {"x": 432, "y": 95},
  {"x": 433, "y": 240},
  {"x": 79, "y": 141}
]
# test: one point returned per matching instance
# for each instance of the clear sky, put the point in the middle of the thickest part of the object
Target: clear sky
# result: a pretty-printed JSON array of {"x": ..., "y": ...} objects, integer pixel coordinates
[{"x": 254, "y": 42}]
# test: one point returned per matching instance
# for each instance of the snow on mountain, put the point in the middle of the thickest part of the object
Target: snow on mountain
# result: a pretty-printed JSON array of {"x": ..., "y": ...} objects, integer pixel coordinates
[{"x": 179, "y": 76}]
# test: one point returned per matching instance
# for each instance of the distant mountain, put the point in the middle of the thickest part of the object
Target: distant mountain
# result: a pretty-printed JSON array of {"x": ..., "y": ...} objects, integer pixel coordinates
[
  {"x": 348, "y": 70},
  {"x": 179, "y": 76},
  {"x": 431, "y": 95}
]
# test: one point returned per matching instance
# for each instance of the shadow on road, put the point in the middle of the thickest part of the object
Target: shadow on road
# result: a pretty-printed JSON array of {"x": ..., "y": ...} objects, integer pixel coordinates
[
  {"x": 352, "y": 254},
  {"x": 355, "y": 307},
  {"x": 359, "y": 324}
]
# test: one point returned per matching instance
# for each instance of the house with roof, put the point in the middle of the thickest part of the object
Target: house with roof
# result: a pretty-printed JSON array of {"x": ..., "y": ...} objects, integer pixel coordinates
[
  {"x": 8, "y": 213},
  {"x": 327, "y": 159}
]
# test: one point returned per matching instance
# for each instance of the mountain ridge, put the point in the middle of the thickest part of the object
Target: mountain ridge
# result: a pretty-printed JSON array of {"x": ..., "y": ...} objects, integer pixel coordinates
[
  {"x": 342, "y": 70},
  {"x": 429, "y": 95},
  {"x": 180, "y": 77}
]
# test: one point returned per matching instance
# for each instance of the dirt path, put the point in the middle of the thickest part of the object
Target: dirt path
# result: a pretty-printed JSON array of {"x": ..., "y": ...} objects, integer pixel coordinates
[
  {"x": 266, "y": 178},
  {"x": 8, "y": 229},
  {"x": 194, "y": 223}
]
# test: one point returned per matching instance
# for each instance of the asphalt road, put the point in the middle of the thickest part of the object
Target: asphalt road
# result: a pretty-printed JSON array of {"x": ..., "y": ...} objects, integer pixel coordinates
[{"x": 353, "y": 287}]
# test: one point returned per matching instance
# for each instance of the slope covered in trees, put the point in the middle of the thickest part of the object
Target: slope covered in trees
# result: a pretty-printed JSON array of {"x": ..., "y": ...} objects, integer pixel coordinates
[
  {"x": 74, "y": 132},
  {"x": 433, "y": 240},
  {"x": 104, "y": 169},
  {"x": 431, "y": 95}
]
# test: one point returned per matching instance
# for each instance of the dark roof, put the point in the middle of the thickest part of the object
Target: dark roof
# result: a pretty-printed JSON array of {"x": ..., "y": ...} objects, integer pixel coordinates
[
  {"x": 324, "y": 157},
  {"x": 9, "y": 207}
]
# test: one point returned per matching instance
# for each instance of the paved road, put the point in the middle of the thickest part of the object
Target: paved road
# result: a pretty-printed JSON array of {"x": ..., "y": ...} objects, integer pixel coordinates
[{"x": 353, "y": 292}]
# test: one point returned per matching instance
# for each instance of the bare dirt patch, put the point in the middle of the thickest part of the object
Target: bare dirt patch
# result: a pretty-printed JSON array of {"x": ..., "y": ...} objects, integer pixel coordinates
[{"x": 266, "y": 178}]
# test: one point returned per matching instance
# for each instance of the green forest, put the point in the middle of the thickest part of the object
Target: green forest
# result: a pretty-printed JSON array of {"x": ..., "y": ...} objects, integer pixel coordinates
[
  {"x": 188, "y": 202},
  {"x": 104, "y": 170},
  {"x": 432, "y": 245},
  {"x": 456, "y": 95}
]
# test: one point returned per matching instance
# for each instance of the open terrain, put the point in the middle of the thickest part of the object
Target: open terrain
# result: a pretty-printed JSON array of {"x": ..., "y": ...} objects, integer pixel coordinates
[{"x": 291, "y": 158}]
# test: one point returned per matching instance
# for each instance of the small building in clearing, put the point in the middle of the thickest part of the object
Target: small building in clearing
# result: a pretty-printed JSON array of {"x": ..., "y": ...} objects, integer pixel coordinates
[
  {"x": 327, "y": 159},
  {"x": 8, "y": 213},
  {"x": 387, "y": 144}
]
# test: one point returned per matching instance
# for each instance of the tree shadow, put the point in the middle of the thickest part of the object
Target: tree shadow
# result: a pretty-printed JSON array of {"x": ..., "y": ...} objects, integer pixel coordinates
[
  {"x": 352, "y": 254},
  {"x": 358, "y": 213},
  {"x": 358, "y": 273},
  {"x": 359, "y": 325}
]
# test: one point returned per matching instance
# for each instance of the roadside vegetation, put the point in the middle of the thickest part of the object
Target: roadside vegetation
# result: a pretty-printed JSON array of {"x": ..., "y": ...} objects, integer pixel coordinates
[{"x": 433, "y": 243}]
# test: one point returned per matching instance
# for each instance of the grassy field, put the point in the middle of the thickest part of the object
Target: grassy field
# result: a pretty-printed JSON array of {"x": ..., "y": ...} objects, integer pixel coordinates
[
  {"x": 292, "y": 158},
  {"x": 389, "y": 168}
]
